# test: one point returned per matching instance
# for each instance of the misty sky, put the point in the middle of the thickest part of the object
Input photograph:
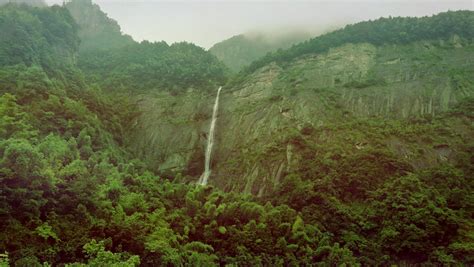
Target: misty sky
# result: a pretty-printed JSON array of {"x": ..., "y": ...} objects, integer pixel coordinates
[{"x": 207, "y": 22}]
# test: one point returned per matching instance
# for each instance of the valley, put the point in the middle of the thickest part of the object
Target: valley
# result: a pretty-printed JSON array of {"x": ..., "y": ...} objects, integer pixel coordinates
[{"x": 354, "y": 147}]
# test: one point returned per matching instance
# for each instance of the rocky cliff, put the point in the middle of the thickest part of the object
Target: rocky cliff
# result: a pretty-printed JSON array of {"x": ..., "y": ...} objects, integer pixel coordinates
[
  {"x": 262, "y": 118},
  {"x": 356, "y": 97}
]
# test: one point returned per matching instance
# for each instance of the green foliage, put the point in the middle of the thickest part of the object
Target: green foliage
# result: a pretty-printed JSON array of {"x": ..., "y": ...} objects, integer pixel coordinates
[
  {"x": 392, "y": 30},
  {"x": 70, "y": 193},
  {"x": 239, "y": 51},
  {"x": 13, "y": 122},
  {"x": 98, "y": 256},
  {"x": 464, "y": 108},
  {"x": 46, "y": 231},
  {"x": 96, "y": 30},
  {"x": 36, "y": 3},
  {"x": 115, "y": 62},
  {"x": 153, "y": 66},
  {"x": 414, "y": 218},
  {"x": 41, "y": 36},
  {"x": 4, "y": 261},
  {"x": 37, "y": 49}
]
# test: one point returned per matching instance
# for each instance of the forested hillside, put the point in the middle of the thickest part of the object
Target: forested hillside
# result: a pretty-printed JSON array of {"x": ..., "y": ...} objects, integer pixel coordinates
[
  {"x": 393, "y": 30},
  {"x": 37, "y": 3},
  {"x": 361, "y": 184},
  {"x": 37, "y": 36},
  {"x": 96, "y": 30},
  {"x": 146, "y": 66},
  {"x": 239, "y": 51},
  {"x": 338, "y": 132},
  {"x": 71, "y": 193},
  {"x": 115, "y": 62}
]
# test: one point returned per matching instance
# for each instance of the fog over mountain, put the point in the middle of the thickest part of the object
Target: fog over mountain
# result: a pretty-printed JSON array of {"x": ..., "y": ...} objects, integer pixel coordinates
[
  {"x": 30, "y": 2},
  {"x": 296, "y": 140},
  {"x": 208, "y": 22}
]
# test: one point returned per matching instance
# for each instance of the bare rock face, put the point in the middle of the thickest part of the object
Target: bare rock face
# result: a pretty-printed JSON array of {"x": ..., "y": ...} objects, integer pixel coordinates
[
  {"x": 171, "y": 131},
  {"x": 261, "y": 119}
]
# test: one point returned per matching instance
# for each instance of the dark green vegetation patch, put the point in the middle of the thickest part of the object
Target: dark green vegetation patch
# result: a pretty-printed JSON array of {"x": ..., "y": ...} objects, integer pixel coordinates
[{"x": 366, "y": 190}]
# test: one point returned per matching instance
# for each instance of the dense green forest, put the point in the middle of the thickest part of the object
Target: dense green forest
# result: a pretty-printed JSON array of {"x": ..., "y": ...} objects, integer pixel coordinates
[
  {"x": 115, "y": 62},
  {"x": 39, "y": 37},
  {"x": 392, "y": 30},
  {"x": 155, "y": 66},
  {"x": 38, "y": 3},
  {"x": 96, "y": 30},
  {"x": 72, "y": 193}
]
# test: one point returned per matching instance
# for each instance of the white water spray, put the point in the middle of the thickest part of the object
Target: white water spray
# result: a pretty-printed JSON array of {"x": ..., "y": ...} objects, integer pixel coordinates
[{"x": 210, "y": 143}]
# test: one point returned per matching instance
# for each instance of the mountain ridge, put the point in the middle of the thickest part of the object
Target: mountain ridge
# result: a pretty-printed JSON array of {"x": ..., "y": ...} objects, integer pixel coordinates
[
  {"x": 392, "y": 29},
  {"x": 35, "y": 3},
  {"x": 240, "y": 50},
  {"x": 353, "y": 153},
  {"x": 345, "y": 77},
  {"x": 96, "y": 29}
]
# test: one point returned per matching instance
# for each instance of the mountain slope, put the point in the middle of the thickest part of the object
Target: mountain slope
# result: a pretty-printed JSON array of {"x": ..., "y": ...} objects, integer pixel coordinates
[
  {"x": 326, "y": 96},
  {"x": 39, "y": 43},
  {"x": 97, "y": 30},
  {"x": 71, "y": 194},
  {"x": 358, "y": 155},
  {"x": 335, "y": 130},
  {"x": 35, "y": 3},
  {"x": 115, "y": 62},
  {"x": 241, "y": 50},
  {"x": 397, "y": 30},
  {"x": 391, "y": 81},
  {"x": 154, "y": 67},
  {"x": 350, "y": 83}
]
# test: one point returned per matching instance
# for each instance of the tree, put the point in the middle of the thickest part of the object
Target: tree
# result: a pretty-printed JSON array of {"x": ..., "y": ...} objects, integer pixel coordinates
[{"x": 414, "y": 219}]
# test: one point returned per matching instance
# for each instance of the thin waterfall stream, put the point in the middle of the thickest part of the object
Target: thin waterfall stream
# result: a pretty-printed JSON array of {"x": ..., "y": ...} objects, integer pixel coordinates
[{"x": 210, "y": 142}]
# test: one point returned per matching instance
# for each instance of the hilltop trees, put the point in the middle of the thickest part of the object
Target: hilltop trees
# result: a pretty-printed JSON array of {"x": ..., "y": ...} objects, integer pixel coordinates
[
  {"x": 71, "y": 193},
  {"x": 153, "y": 66},
  {"x": 239, "y": 51},
  {"x": 115, "y": 62},
  {"x": 393, "y": 30},
  {"x": 96, "y": 30}
]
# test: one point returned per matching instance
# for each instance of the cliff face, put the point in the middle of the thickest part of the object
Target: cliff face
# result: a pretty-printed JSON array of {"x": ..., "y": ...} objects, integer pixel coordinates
[
  {"x": 354, "y": 98},
  {"x": 170, "y": 133}
]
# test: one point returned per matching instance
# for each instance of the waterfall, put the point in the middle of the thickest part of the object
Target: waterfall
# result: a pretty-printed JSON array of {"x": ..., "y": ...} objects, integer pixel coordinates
[{"x": 210, "y": 143}]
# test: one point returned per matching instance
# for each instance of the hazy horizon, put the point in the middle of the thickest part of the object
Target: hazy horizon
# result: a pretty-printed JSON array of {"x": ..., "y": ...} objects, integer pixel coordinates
[{"x": 208, "y": 22}]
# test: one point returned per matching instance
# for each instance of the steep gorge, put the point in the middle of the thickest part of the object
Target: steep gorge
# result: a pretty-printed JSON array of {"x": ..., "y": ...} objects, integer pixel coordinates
[
  {"x": 346, "y": 151},
  {"x": 261, "y": 116}
]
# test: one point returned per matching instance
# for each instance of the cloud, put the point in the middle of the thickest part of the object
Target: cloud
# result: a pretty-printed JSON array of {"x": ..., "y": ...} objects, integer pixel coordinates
[{"x": 208, "y": 22}]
